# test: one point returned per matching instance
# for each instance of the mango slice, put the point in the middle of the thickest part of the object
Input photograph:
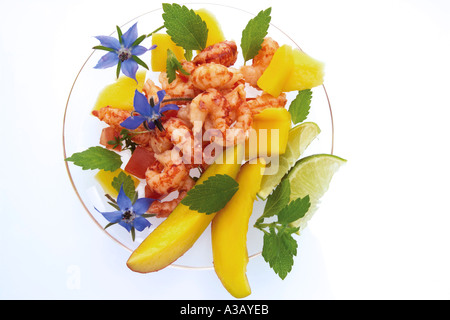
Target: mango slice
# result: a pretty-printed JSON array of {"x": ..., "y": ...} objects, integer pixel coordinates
[
  {"x": 105, "y": 179},
  {"x": 229, "y": 231},
  {"x": 275, "y": 76},
  {"x": 291, "y": 70},
  {"x": 120, "y": 94},
  {"x": 271, "y": 133},
  {"x": 159, "y": 54},
  {"x": 307, "y": 72},
  {"x": 176, "y": 235},
  {"x": 215, "y": 33}
]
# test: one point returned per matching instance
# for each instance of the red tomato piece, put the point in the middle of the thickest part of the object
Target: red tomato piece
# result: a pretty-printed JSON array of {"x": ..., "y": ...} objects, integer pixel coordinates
[
  {"x": 140, "y": 160},
  {"x": 109, "y": 134}
]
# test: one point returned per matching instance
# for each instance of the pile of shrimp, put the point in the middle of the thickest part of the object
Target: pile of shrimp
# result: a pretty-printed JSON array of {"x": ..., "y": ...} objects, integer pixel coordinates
[{"x": 216, "y": 99}]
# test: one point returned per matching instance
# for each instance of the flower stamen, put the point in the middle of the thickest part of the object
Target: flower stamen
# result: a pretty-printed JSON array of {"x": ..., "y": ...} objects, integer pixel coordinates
[
  {"x": 124, "y": 54},
  {"x": 128, "y": 216}
]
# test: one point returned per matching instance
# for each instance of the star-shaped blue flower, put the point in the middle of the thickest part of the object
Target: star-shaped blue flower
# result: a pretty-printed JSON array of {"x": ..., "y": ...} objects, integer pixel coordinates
[
  {"x": 130, "y": 216},
  {"x": 148, "y": 113},
  {"x": 123, "y": 52}
]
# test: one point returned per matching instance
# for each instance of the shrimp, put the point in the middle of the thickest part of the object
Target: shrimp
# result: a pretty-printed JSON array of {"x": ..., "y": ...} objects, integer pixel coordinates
[
  {"x": 182, "y": 138},
  {"x": 217, "y": 76},
  {"x": 260, "y": 62},
  {"x": 266, "y": 101},
  {"x": 182, "y": 86},
  {"x": 114, "y": 117},
  {"x": 236, "y": 96},
  {"x": 163, "y": 209},
  {"x": 224, "y": 53},
  {"x": 165, "y": 176},
  {"x": 212, "y": 110},
  {"x": 150, "y": 89},
  {"x": 239, "y": 131},
  {"x": 228, "y": 114},
  {"x": 111, "y": 116}
]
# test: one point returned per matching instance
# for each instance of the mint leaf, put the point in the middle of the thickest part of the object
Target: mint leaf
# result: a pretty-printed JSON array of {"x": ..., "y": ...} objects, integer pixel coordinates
[
  {"x": 254, "y": 33},
  {"x": 96, "y": 158},
  {"x": 279, "y": 250},
  {"x": 299, "y": 108},
  {"x": 211, "y": 195},
  {"x": 276, "y": 201},
  {"x": 185, "y": 27},
  {"x": 128, "y": 185},
  {"x": 172, "y": 65},
  {"x": 295, "y": 210},
  {"x": 279, "y": 247}
]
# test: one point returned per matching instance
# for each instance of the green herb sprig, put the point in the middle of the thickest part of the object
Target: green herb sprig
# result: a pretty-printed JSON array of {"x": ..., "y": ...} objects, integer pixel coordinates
[
  {"x": 96, "y": 158},
  {"x": 185, "y": 27},
  {"x": 254, "y": 33},
  {"x": 124, "y": 140},
  {"x": 212, "y": 195},
  {"x": 279, "y": 246},
  {"x": 299, "y": 107}
]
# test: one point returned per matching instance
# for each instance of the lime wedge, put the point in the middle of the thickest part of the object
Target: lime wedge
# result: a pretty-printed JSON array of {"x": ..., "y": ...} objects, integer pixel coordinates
[
  {"x": 299, "y": 139},
  {"x": 312, "y": 176}
]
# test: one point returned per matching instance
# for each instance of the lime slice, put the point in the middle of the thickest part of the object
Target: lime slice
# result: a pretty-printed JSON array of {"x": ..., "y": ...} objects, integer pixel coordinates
[
  {"x": 299, "y": 139},
  {"x": 311, "y": 176}
]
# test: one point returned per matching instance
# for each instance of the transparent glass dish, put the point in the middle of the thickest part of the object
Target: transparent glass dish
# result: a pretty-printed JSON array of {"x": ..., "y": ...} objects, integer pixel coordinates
[{"x": 81, "y": 130}]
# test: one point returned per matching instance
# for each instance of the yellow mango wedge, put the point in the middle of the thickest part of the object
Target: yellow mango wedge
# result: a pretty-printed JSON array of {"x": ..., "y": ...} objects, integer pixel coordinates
[
  {"x": 176, "y": 235},
  {"x": 229, "y": 231},
  {"x": 307, "y": 72},
  {"x": 215, "y": 33},
  {"x": 159, "y": 54},
  {"x": 120, "y": 94},
  {"x": 275, "y": 76},
  {"x": 270, "y": 135}
]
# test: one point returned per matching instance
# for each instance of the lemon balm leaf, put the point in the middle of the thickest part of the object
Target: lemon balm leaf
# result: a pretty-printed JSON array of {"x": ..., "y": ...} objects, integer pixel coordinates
[
  {"x": 185, "y": 27},
  {"x": 279, "y": 249},
  {"x": 276, "y": 201},
  {"x": 299, "y": 108},
  {"x": 295, "y": 210},
  {"x": 212, "y": 195},
  {"x": 254, "y": 33},
  {"x": 96, "y": 158},
  {"x": 126, "y": 182}
]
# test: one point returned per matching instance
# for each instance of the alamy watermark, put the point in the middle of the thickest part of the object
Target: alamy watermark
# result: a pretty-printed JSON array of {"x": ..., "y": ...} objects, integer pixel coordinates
[{"x": 189, "y": 146}]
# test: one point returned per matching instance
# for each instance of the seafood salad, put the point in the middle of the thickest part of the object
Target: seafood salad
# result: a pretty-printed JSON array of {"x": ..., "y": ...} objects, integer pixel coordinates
[
  {"x": 200, "y": 140},
  {"x": 212, "y": 98}
]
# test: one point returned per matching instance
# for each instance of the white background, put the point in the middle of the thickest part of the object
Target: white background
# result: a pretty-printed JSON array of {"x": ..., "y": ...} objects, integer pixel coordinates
[{"x": 383, "y": 230}]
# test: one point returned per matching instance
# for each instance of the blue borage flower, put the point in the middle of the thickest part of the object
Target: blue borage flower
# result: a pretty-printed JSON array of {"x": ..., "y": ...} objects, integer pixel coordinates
[
  {"x": 123, "y": 52},
  {"x": 129, "y": 215},
  {"x": 148, "y": 113}
]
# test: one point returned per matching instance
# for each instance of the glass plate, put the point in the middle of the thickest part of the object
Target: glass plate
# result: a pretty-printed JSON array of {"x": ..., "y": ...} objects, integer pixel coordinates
[{"x": 81, "y": 130}]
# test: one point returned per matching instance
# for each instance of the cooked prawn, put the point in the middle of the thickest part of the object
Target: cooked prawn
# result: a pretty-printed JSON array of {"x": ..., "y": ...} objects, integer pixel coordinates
[
  {"x": 224, "y": 53},
  {"x": 182, "y": 86},
  {"x": 266, "y": 101},
  {"x": 163, "y": 209},
  {"x": 150, "y": 89},
  {"x": 114, "y": 117},
  {"x": 214, "y": 75},
  {"x": 164, "y": 177}
]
